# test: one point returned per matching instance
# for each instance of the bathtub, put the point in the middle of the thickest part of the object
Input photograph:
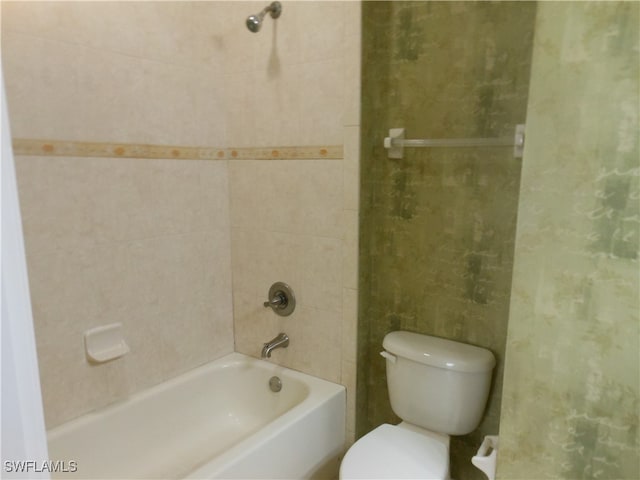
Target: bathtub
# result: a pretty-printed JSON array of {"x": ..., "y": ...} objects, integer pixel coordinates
[{"x": 220, "y": 420}]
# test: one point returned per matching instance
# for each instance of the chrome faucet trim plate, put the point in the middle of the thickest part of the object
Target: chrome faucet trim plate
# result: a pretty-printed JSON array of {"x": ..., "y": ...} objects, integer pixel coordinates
[{"x": 281, "y": 299}]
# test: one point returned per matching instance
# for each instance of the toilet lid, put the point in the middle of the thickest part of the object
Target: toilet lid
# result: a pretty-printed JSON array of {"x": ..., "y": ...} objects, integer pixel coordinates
[{"x": 392, "y": 452}]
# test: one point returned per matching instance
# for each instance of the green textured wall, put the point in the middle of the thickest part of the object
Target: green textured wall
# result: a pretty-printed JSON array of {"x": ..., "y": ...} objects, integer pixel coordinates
[
  {"x": 438, "y": 227},
  {"x": 570, "y": 404}
]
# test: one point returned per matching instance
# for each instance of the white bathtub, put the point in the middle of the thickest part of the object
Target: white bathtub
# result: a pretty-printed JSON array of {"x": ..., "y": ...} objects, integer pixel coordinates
[{"x": 218, "y": 421}]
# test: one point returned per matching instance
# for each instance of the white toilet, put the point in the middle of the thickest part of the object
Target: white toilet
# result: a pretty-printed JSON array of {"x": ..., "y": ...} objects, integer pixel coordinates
[{"x": 439, "y": 388}]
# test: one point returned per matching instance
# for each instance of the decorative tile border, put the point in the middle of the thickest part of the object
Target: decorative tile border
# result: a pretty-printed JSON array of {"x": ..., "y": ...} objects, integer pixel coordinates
[{"x": 61, "y": 148}]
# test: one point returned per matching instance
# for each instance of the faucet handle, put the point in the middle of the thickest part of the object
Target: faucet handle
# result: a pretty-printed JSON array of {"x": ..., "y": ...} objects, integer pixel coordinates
[
  {"x": 278, "y": 300},
  {"x": 281, "y": 299}
]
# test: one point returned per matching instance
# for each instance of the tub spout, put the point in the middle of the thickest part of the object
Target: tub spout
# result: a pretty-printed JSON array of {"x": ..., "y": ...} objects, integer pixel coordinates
[{"x": 281, "y": 341}]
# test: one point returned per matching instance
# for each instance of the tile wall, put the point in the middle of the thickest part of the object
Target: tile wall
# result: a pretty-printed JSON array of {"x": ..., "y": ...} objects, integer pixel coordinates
[
  {"x": 572, "y": 381},
  {"x": 153, "y": 242}
]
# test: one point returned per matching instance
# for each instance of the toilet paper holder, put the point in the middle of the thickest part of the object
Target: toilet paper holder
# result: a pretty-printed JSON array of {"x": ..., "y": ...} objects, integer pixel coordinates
[{"x": 487, "y": 455}]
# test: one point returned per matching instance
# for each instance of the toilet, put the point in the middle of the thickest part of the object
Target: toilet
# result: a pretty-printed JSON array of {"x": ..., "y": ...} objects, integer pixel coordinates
[{"x": 438, "y": 388}]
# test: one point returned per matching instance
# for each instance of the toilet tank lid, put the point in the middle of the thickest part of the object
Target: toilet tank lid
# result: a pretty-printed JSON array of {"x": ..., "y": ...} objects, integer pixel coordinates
[{"x": 439, "y": 352}]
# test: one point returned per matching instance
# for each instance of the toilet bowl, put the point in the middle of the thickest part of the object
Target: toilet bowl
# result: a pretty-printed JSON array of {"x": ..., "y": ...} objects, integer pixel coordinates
[
  {"x": 439, "y": 388},
  {"x": 397, "y": 452}
]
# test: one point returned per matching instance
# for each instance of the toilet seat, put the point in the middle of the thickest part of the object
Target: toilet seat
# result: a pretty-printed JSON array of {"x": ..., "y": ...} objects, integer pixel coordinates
[{"x": 391, "y": 452}]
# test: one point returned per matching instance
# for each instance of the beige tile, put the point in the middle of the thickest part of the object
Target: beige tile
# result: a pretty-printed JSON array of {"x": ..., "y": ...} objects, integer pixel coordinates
[
  {"x": 76, "y": 202},
  {"x": 195, "y": 337},
  {"x": 278, "y": 44},
  {"x": 348, "y": 379},
  {"x": 352, "y": 80},
  {"x": 351, "y": 168},
  {"x": 273, "y": 102},
  {"x": 178, "y": 197},
  {"x": 300, "y": 197},
  {"x": 254, "y": 324},
  {"x": 63, "y": 91},
  {"x": 172, "y": 32},
  {"x": 70, "y": 92},
  {"x": 245, "y": 253},
  {"x": 350, "y": 250},
  {"x": 51, "y": 19},
  {"x": 297, "y": 72},
  {"x": 210, "y": 19},
  {"x": 315, "y": 198},
  {"x": 104, "y": 25},
  {"x": 261, "y": 257},
  {"x": 50, "y": 218},
  {"x": 184, "y": 278},
  {"x": 321, "y": 273},
  {"x": 182, "y": 269},
  {"x": 167, "y": 32},
  {"x": 41, "y": 86},
  {"x": 209, "y": 106},
  {"x": 306, "y": 32},
  {"x": 111, "y": 91},
  {"x": 239, "y": 119},
  {"x": 349, "y": 324},
  {"x": 142, "y": 367},
  {"x": 353, "y": 19},
  {"x": 314, "y": 343},
  {"x": 238, "y": 44},
  {"x": 173, "y": 111},
  {"x": 112, "y": 26},
  {"x": 321, "y": 38},
  {"x": 312, "y": 266},
  {"x": 79, "y": 288},
  {"x": 321, "y": 102},
  {"x": 70, "y": 386}
]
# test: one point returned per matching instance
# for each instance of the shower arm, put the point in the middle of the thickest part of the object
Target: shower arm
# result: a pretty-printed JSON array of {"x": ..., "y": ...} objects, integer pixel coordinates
[{"x": 274, "y": 9}]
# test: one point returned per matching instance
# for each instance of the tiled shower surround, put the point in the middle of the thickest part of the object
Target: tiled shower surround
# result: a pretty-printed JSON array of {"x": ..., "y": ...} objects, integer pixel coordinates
[
  {"x": 438, "y": 226},
  {"x": 171, "y": 166}
]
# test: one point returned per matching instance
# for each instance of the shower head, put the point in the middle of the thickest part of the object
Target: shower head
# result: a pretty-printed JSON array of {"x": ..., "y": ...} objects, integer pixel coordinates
[{"x": 254, "y": 22}]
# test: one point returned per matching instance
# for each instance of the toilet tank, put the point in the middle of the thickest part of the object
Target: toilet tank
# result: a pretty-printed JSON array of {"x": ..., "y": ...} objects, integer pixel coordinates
[{"x": 437, "y": 384}]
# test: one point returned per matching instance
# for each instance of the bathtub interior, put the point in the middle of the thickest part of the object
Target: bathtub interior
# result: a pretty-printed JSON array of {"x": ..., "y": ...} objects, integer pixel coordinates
[{"x": 173, "y": 428}]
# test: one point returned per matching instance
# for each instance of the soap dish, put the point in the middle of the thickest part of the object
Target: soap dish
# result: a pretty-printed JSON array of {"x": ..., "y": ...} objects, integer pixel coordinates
[{"x": 105, "y": 343}]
